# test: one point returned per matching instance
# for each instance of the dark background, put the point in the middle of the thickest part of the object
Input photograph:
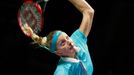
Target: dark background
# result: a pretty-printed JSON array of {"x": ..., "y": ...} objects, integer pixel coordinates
[{"x": 110, "y": 41}]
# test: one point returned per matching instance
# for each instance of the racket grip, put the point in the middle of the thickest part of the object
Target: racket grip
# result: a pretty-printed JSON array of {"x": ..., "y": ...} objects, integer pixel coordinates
[{"x": 39, "y": 1}]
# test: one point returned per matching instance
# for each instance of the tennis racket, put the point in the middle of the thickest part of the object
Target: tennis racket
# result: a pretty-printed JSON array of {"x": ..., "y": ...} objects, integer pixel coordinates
[{"x": 30, "y": 13}]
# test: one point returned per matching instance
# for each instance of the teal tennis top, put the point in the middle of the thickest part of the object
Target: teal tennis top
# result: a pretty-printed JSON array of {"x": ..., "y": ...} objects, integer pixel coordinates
[{"x": 82, "y": 64}]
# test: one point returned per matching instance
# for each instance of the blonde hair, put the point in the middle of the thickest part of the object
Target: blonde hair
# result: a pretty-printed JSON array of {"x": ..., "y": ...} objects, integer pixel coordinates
[
  {"x": 49, "y": 38},
  {"x": 46, "y": 42}
]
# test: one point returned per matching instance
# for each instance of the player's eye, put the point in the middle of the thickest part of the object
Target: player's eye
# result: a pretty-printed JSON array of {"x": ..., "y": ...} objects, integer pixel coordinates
[
  {"x": 67, "y": 37},
  {"x": 62, "y": 43}
]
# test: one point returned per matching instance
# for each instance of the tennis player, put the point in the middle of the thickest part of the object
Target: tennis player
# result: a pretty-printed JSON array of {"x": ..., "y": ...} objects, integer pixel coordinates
[{"x": 73, "y": 50}]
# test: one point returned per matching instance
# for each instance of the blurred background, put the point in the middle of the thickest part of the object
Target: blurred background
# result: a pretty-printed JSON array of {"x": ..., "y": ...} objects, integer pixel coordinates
[{"x": 110, "y": 41}]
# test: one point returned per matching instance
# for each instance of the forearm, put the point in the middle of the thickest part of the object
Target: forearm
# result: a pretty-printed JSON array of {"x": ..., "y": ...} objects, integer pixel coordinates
[{"x": 82, "y": 6}]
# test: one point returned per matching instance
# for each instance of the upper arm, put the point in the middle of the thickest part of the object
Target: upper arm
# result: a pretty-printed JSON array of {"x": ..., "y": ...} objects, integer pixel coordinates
[
  {"x": 86, "y": 23},
  {"x": 88, "y": 14}
]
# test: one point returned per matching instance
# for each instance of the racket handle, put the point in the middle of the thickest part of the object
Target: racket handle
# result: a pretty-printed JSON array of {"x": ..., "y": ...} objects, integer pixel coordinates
[
  {"x": 42, "y": 1},
  {"x": 27, "y": 0},
  {"x": 46, "y": 0}
]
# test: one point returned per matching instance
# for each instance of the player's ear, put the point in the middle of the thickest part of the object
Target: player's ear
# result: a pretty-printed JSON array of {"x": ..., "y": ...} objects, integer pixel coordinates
[{"x": 59, "y": 52}]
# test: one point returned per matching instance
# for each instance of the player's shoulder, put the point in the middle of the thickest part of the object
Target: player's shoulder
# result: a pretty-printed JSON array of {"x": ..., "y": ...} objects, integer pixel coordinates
[{"x": 77, "y": 34}]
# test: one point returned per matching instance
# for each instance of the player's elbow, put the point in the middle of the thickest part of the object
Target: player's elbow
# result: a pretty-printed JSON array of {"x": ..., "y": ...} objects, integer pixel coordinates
[
  {"x": 92, "y": 11},
  {"x": 89, "y": 11}
]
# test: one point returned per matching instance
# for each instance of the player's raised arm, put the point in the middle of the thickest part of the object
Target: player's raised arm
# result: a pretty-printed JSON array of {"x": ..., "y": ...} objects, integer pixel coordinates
[{"x": 88, "y": 13}]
